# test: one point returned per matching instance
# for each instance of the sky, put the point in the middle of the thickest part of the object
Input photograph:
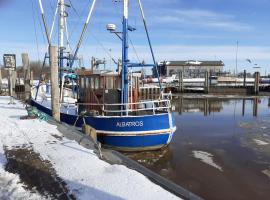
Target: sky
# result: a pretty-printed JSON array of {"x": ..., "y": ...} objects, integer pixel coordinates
[{"x": 179, "y": 30}]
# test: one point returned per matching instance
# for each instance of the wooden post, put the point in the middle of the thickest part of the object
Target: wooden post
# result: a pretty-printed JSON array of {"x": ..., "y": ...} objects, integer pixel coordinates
[
  {"x": 245, "y": 78},
  {"x": 26, "y": 69},
  {"x": 255, "y": 107},
  {"x": 243, "y": 107},
  {"x": 206, "y": 82},
  {"x": 10, "y": 73},
  {"x": 181, "y": 105},
  {"x": 55, "y": 100},
  {"x": 14, "y": 78},
  {"x": 31, "y": 77},
  {"x": 26, "y": 66},
  {"x": 257, "y": 83},
  {"x": 181, "y": 82},
  {"x": 206, "y": 107}
]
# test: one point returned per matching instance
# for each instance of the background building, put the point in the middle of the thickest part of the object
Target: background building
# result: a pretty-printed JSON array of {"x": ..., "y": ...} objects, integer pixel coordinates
[{"x": 189, "y": 68}]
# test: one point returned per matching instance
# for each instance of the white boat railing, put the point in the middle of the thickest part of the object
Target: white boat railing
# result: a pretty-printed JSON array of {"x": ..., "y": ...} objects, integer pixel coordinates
[{"x": 129, "y": 109}]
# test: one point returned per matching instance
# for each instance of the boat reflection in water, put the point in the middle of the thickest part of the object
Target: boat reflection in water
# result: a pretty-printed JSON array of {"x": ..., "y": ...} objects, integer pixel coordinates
[
  {"x": 211, "y": 105},
  {"x": 221, "y": 145}
]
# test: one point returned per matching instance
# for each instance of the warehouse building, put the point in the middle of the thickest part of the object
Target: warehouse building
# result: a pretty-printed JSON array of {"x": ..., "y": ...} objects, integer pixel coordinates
[{"x": 189, "y": 68}]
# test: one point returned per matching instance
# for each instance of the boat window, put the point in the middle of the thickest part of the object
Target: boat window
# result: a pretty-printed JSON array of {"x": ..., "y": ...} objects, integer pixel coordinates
[
  {"x": 82, "y": 82},
  {"x": 92, "y": 83},
  {"x": 86, "y": 82},
  {"x": 101, "y": 82},
  {"x": 97, "y": 83},
  {"x": 118, "y": 82},
  {"x": 109, "y": 83}
]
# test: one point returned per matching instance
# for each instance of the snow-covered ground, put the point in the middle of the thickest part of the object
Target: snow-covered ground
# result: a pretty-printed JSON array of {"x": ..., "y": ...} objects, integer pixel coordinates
[{"x": 86, "y": 176}]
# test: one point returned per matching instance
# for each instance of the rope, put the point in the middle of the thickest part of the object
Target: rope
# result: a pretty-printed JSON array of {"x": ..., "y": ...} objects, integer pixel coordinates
[{"x": 34, "y": 112}]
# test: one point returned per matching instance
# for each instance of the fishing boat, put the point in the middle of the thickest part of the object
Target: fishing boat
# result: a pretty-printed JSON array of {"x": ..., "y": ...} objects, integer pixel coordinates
[{"x": 108, "y": 101}]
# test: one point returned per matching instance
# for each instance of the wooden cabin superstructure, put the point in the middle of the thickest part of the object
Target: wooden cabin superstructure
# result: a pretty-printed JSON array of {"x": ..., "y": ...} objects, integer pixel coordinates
[{"x": 101, "y": 87}]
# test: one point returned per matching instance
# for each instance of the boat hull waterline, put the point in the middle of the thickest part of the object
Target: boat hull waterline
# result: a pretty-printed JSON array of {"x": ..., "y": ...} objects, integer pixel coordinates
[{"x": 126, "y": 133}]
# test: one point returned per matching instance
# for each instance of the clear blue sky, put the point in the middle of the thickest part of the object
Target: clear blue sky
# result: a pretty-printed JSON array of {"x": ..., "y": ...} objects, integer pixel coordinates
[{"x": 180, "y": 30}]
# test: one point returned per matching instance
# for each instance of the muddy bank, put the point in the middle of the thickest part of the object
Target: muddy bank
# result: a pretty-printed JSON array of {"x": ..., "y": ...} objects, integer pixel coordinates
[{"x": 35, "y": 173}]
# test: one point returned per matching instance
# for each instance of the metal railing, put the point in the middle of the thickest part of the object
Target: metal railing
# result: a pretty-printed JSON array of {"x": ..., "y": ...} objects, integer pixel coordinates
[{"x": 128, "y": 109}]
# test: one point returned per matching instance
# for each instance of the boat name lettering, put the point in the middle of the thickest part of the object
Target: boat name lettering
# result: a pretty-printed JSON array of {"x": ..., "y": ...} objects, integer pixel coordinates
[{"x": 129, "y": 124}]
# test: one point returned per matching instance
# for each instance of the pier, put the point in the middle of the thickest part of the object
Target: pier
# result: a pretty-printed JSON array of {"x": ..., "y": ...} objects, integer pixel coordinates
[{"x": 219, "y": 86}]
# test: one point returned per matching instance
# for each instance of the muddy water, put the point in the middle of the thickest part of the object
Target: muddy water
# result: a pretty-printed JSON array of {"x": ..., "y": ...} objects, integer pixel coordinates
[{"x": 221, "y": 149}]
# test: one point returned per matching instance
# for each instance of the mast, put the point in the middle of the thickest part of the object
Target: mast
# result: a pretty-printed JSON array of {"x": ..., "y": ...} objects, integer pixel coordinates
[
  {"x": 44, "y": 22},
  {"x": 83, "y": 32},
  {"x": 124, "y": 91},
  {"x": 62, "y": 14}
]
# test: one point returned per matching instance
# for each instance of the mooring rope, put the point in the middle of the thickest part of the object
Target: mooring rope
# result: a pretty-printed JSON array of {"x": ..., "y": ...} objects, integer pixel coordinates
[{"x": 34, "y": 112}]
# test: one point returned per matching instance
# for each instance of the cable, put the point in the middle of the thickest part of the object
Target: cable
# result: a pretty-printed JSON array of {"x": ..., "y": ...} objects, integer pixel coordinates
[
  {"x": 75, "y": 11},
  {"x": 103, "y": 47},
  {"x": 134, "y": 50},
  {"x": 35, "y": 28},
  {"x": 79, "y": 17}
]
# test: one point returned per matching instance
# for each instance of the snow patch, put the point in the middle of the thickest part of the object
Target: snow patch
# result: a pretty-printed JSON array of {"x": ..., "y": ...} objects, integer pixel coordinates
[
  {"x": 11, "y": 188},
  {"x": 266, "y": 172},
  {"x": 260, "y": 142},
  {"x": 207, "y": 158}
]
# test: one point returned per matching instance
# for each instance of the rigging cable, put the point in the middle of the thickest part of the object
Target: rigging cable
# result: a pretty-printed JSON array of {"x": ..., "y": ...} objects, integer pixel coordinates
[
  {"x": 103, "y": 47},
  {"x": 79, "y": 18},
  {"x": 149, "y": 42},
  {"x": 67, "y": 36},
  {"x": 54, "y": 18},
  {"x": 133, "y": 47},
  {"x": 71, "y": 5},
  {"x": 35, "y": 28}
]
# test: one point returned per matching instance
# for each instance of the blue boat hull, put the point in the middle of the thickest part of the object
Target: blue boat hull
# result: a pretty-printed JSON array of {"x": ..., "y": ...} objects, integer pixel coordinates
[{"x": 129, "y": 133}]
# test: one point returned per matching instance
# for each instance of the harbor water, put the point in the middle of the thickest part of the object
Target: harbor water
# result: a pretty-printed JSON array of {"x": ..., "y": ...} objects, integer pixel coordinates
[{"x": 221, "y": 149}]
